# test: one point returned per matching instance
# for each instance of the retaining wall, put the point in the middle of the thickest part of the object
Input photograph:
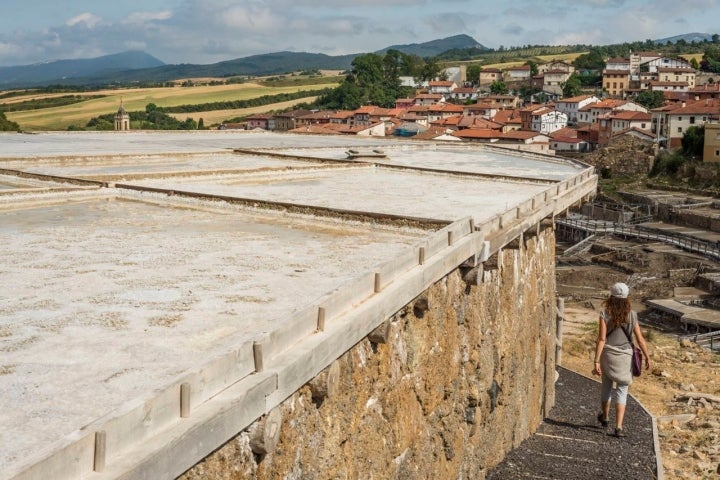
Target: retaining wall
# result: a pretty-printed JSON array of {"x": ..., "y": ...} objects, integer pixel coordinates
[{"x": 462, "y": 374}]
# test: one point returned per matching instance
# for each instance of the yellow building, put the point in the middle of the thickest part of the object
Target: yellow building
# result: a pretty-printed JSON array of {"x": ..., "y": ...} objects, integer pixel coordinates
[
  {"x": 711, "y": 151},
  {"x": 616, "y": 82}
]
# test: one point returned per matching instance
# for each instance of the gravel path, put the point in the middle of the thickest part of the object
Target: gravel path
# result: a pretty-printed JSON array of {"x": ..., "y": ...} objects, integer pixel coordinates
[{"x": 570, "y": 444}]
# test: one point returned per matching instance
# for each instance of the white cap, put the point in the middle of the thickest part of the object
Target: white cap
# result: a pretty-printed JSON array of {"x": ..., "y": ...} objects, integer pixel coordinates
[{"x": 619, "y": 290}]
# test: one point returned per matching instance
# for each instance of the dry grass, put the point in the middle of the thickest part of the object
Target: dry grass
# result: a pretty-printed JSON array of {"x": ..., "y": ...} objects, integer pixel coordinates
[
  {"x": 59, "y": 118},
  {"x": 218, "y": 116}
]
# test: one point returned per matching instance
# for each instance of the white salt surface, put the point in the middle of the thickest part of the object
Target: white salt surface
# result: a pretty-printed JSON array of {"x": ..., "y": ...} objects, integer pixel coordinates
[
  {"x": 117, "y": 167},
  {"x": 143, "y": 142},
  {"x": 103, "y": 301},
  {"x": 461, "y": 158},
  {"x": 370, "y": 189}
]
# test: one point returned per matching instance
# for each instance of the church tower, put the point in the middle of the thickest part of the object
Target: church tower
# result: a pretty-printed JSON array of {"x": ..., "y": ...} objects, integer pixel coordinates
[{"x": 122, "y": 119}]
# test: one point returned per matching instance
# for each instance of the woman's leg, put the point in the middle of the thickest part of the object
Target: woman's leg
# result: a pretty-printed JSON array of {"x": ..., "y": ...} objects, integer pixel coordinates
[
  {"x": 606, "y": 392},
  {"x": 620, "y": 400}
]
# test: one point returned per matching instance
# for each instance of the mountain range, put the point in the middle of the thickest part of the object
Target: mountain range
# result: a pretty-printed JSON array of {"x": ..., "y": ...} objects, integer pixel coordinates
[
  {"x": 140, "y": 67},
  {"x": 137, "y": 66}
]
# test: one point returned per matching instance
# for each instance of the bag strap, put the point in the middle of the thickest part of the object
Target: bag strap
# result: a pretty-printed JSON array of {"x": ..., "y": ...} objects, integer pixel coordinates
[{"x": 633, "y": 319}]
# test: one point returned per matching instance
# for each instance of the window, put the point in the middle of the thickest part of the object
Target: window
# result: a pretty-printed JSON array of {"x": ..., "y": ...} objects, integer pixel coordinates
[
  {"x": 692, "y": 120},
  {"x": 679, "y": 129},
  {"x": 717, "y": 153}
]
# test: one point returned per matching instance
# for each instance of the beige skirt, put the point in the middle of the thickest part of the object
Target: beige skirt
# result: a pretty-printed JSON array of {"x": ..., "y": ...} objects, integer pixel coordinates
[{"x": 616, "y": 364}]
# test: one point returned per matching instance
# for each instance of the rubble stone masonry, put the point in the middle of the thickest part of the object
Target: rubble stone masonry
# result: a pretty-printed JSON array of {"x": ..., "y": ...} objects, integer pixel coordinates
[{"x": 465, "y": 374}]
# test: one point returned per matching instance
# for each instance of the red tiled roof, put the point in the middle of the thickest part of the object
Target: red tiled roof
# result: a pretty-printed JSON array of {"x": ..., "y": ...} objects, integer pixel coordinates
[
  {"x": 577, "y": 99},
  {"x": 631, "y": 116},
  {"x": 566, "y": 132},
  {"x": 710, "y": 106},
  {"x": 561, "y": 139},
  {"x": 616, "y": 72},
  {"x": 707, "y": 87}
]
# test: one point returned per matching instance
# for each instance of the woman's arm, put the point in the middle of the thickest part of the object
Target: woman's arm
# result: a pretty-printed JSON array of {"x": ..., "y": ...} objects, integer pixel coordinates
[
  {"x": 642, "y": 344},
  {"x": 599, "y": 345}
]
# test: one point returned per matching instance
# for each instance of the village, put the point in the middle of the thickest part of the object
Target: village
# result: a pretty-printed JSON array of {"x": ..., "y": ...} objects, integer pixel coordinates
[{"x": 465, "y": 109}]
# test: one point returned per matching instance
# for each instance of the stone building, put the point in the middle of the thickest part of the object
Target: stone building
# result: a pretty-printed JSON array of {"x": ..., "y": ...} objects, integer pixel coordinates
[{"x": 122, "y": 119}]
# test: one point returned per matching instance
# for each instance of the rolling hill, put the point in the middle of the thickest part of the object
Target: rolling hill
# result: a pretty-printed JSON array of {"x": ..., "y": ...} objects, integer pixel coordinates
[
  {"x": 56, "y": 72},
  {"x": 129, "y": 67}
]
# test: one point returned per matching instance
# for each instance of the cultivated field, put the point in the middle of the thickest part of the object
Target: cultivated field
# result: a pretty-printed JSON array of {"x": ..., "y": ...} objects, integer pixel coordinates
[{"x": 59, "y": 118}]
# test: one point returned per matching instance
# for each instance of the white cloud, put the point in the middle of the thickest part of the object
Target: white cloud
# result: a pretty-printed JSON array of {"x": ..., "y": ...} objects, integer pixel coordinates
[
  {"x": 90, "y": 20},
  {"x": 140, "y": 18}
]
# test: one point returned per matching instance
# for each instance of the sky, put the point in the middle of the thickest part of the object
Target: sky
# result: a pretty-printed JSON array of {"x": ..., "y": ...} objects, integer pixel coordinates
[{"x": 209, "y": 31}]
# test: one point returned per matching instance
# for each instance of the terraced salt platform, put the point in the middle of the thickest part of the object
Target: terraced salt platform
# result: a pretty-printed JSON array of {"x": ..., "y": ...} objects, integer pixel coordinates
[{"x": 135, "y": 262}]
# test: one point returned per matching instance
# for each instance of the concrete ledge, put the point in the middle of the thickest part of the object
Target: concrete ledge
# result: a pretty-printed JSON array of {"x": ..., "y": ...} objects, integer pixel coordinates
[{"x": 171, "y": 452}]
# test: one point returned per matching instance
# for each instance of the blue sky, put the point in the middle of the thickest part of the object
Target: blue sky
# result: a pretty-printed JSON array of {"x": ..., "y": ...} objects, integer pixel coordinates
[{"x": 208, "y": 31}]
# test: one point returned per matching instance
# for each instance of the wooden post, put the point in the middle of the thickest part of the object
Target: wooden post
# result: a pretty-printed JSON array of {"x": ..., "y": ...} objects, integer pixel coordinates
[
  {"x": 378, "y": 286},
  {"x": 100, "y": 449},
  {"x": 321, "y": 319},
  {"x": 258, "y": 356},
  {"x": 558, "y": 339},
  {"x": 422, "y": 255},
  {"x": 184, "y": 400},
  {"x": 450, "y": 238}
]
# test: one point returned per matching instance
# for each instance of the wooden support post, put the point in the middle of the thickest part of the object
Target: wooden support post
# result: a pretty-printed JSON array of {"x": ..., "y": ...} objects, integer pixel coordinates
[
  {"x": 184, "y": 400},
  {"x": 559, "y": 338},
  {"x": 472, "y": 225},
  {"x": 378, "y": 286},
  {"x": 450, "y": 238},
  {"x": 518, "y": 213},
  {"x": 100, "y": 451},
  {"x": 265, "y": 433},
  {"x": 258, "y": 356},
  {"x": 321, "y": 319},
  {"x": 422, "y": 255}
]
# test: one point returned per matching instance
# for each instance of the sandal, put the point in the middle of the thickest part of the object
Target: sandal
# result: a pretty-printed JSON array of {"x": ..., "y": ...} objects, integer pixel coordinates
[
  {"x": 603, "y": 421},
  {"x": 618, "y": 433}
]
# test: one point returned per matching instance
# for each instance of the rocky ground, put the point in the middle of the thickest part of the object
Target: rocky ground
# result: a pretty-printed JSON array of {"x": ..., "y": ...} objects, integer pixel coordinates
[{"x": 683, "y": 387}]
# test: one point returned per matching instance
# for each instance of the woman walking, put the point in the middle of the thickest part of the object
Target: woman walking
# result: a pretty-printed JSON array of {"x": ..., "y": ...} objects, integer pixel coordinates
[{"x": 613, "y": 353}]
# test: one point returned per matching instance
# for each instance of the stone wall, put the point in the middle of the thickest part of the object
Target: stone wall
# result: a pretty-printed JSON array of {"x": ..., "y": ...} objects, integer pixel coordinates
[{"x": 465, "y": 374}]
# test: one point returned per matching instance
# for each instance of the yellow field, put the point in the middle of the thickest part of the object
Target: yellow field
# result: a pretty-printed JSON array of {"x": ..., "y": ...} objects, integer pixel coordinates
[
  {"x": 218, "y": 116},
  {"x": 59, "y": 118},
  {"x": 567, "y": 57}
]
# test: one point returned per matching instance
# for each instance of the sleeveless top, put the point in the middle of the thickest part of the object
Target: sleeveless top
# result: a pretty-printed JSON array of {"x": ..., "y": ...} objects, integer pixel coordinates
[{"x": 616, "y": 337}]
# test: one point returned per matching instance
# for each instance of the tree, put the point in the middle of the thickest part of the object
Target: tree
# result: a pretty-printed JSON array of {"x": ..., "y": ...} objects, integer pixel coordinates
[
  {"x": 693, "y": 142},
  {"x": 593, "y": 60},
  {"x": 6, "y": 125},
  {"x": 498, "y": 88},
  {"x": 533, "y": 67},
  {"x": 571, "y": 87},
  {"x": 472, "y": 73},
  {"x": 650, "y": 99}
]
